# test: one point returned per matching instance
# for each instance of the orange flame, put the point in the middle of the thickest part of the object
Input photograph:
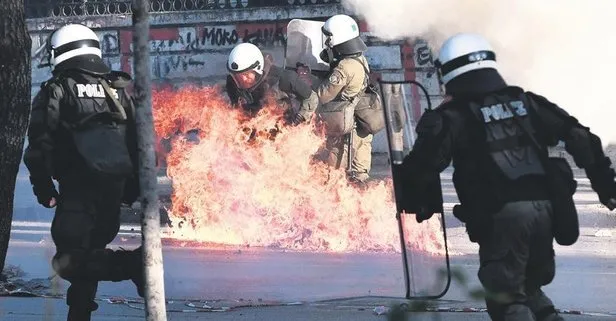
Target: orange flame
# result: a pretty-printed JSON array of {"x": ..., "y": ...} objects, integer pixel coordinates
[{"x": 229, "y": 188}]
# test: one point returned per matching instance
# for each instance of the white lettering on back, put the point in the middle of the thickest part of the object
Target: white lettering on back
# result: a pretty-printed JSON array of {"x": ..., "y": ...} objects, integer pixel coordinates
[
  {"x": 94, "y": 91},
  {"x": 500, "y": 112}
]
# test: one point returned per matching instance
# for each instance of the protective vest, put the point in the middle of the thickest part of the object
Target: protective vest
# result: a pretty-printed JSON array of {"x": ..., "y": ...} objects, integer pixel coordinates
[
  {"x": 339, "y": 114},
  {"x": 95, "y": 115},
  {"x": 494, "y": 162},
  {"x": 505, "y": 142}
]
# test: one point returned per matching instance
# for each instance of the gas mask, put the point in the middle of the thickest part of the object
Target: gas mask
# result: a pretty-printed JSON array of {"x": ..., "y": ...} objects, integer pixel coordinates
[{"x": 327, "y": 54}]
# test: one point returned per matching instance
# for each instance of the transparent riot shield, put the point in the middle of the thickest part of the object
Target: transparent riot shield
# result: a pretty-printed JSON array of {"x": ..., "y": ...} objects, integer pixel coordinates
[
  {"x": 427, "y": 271},
  {"x": 305, "y": 42}
]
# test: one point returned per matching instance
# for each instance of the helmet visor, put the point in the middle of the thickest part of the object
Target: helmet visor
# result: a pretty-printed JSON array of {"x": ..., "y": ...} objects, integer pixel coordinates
[{"x": 245, "y": 79}]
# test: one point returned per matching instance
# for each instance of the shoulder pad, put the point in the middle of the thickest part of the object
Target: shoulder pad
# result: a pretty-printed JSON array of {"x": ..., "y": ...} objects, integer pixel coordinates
[
  {"x": 49, "y": 81},
  {"x": 446, "y": 105},
  {"x": 53, "y": 88},
  {"x": 119, "y": 79},
  {"x": 515, "y": 89},
  {"x": 539, "y": 102},
  {"x": 430, "y": 123},
  {"x": 347, "y": 63}
]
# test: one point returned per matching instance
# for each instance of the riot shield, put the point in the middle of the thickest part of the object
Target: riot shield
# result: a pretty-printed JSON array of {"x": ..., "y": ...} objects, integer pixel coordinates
[
  {"x": 305, "y": 41},
  {"x": 427, "y": 275}
]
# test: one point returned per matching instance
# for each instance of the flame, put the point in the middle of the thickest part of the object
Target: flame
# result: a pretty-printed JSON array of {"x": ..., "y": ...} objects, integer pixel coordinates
[{"x": 266, "y": 189}]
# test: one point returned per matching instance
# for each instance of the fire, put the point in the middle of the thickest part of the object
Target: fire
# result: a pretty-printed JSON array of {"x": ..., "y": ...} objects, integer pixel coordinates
[{"x": 264, "y": 188}]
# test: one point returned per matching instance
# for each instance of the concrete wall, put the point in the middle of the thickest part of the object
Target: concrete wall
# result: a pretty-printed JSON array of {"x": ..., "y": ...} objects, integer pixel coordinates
[{"x": 192, "y": 47}]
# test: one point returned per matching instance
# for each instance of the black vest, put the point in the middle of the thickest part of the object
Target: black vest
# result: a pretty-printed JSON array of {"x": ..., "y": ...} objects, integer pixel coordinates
[{"x": 494, "y": 161}]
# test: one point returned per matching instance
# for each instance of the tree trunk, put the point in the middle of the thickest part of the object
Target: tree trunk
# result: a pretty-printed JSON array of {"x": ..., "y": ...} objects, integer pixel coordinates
[
  {"x": 155, "y": 307},
  {"x": 15, "y": 98}
]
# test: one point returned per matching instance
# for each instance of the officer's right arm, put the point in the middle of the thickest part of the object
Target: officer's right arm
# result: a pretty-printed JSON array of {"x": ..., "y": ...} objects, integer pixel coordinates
[
  {"x": 44, "y": 120},
  {"x": 332, "y": 86},
  {"x": 430, "y": 155},
  {"x": 431, "y": 152},
  {"x": 582, "y": 144}
]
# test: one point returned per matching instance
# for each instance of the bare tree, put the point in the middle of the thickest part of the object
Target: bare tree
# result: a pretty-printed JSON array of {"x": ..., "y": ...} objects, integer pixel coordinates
[
  {"x": 15, "y": 97},
  {"x": 155, "y": 307}
]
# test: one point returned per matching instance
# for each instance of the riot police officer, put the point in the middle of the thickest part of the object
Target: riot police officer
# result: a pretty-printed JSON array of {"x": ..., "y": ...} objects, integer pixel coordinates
[
  {"x": 253, "y": 79},
  {"x": 82, "y": 133},
  {"x": 489, "y": 130},
  {"x": 339, "y": 95}
]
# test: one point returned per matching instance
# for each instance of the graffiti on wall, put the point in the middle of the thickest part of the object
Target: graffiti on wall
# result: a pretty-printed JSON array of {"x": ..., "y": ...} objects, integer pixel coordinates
[
  {"x": 197, "y": 50},
  {"x": 177, "y": 50},
  {"x": 203, "y": 38}
]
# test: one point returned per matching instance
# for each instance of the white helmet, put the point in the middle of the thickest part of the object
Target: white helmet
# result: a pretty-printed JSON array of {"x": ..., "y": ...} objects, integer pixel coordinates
[
  {"x": 462, "y": 53},
  {"x": 245, "y": 65},
  {"x": 71, "y": 41},
  {"x": 340, "y": 29}
]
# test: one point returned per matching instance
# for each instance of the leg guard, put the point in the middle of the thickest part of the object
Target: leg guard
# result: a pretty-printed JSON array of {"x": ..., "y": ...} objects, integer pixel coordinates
[{"x": 101, "y": 265}]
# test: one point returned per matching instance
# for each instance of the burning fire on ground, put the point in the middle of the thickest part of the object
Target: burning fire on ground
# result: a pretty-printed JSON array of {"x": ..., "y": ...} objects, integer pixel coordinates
[{"x": 238, "y": 187}]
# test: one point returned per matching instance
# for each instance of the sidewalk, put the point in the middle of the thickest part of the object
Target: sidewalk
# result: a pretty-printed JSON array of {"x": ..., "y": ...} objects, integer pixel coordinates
[{"x": 363, "y": 309}]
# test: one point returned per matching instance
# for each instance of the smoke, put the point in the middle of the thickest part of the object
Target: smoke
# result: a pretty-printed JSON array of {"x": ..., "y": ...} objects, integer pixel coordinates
[{"x": 563, "y": 50}]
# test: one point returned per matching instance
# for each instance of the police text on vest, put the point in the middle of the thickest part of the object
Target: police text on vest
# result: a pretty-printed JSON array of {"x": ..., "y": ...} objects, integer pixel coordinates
[
  {"x": 499, "y": 112},
  {"x": 93, "y": 91}
]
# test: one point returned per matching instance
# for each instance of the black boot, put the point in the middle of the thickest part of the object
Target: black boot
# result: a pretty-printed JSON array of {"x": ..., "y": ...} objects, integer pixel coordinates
[
  {"x": 102, "y": 265},
  {"x": 78, "y": 314},
  {"x": 80, "y": 300},
  {"x": 355, "y": 181},
  {"x": 131, "y": 263}
]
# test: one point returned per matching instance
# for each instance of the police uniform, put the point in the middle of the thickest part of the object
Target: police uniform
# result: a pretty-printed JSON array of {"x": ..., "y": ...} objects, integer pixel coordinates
[
  {"x": 78, "y": 116},
  {"x": 346, "y": 82},
  {"x": 283, "y": 85},
  {"x": 500, "y": 182}
]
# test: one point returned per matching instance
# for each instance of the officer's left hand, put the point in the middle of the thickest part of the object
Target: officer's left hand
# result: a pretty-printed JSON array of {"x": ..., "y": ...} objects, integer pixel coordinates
[
  {"x": 45, "y": 191},
  {"x": 298, "y": 119},
  {"x": 52, "y": 202}
]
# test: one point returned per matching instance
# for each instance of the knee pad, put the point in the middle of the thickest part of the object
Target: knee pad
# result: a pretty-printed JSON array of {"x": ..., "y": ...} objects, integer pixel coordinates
[
  {"x": 68, "y": 265},
  {"x": 497, "y": 277}
]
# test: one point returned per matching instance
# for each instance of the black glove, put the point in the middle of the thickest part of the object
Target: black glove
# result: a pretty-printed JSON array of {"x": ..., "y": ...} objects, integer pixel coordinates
[
  {"x": 608, "y": 198},
  {"x": 297, "y": 119},
  {"x": 293, "y": 118},
  {"x": 44, "y": 190},
  {"x": 601, "y": 178}
]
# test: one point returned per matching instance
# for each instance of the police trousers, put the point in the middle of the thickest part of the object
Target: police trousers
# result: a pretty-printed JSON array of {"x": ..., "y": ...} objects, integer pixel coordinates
[
  {"x": 87, "y": 218},
  {"x": 516, "y": 260},
  {"x": 337, "y": 149}
]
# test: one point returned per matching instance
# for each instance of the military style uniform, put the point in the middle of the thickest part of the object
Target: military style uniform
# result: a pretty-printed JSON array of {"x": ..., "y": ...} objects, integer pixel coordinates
[
  {"x": 501, "y": 187},
  {"x": 83, "y": 134},
  {"x": 345, "y": 83}
]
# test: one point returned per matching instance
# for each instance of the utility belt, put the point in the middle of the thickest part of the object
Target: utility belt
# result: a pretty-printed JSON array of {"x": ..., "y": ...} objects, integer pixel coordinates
[{"x": 477, "y": 212}]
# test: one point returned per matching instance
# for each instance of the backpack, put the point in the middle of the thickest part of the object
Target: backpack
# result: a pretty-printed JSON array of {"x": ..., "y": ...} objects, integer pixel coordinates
[{"x": 369, "y": 110}]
